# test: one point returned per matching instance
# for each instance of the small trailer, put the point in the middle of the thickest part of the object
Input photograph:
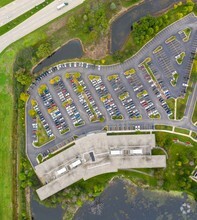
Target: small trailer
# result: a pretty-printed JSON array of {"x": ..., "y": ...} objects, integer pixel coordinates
[
  {"x": 74, "y": 164},
  {"x": 62, "y": 5}
]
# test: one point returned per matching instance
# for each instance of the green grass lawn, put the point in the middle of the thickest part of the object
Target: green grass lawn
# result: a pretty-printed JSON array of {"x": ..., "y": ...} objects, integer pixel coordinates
[
  {"x": 128, "y": 3},
  {"x": 6, "y": 117},
  {"x": 163, "y": 127},
  {"x": 181, "y": 102},
  {"x": 5, "y": 2},
  {"x": 42, "y": 135},
  {"x": 194, "y": 117},
  {"x": 181, "y": 162},
  {"x": 181, "y": 130},
  {"x": 194, "y": 135},
  {"x": 171, "y": 104}
]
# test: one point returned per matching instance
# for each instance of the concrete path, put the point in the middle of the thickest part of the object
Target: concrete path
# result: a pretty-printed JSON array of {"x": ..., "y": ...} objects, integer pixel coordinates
[
  {"x": 175, "y": 108},
  {"x": 41, "y": 18},
  {"x": 15, "y": 9}
]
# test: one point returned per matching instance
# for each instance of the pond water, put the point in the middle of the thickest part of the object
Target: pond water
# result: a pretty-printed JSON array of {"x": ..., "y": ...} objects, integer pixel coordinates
[
  {"x": 40, "y": 212},
  {"x": 124, "y": 201},
  {"x": 121, "y": 27},
  {"x": 73, "y": 49}
]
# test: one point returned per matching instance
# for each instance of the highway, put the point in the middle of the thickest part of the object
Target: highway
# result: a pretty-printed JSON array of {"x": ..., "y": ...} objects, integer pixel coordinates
[
  {"x": 37, "y": 20},
  {"x": 15, "y": 9}
]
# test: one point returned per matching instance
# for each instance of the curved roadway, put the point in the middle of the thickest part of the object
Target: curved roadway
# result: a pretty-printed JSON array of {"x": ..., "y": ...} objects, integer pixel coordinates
[{"x": 146, "y": 123}]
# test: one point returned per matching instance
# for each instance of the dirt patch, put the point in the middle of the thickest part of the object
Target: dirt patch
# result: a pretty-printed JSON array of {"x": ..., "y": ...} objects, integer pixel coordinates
[
  {"x": 97, "y": 51},
  {"x": 55, "y": 26}
]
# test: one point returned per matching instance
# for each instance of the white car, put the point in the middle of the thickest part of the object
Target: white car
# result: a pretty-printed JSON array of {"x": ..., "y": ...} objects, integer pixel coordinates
[{"x": 99, "y": 67}]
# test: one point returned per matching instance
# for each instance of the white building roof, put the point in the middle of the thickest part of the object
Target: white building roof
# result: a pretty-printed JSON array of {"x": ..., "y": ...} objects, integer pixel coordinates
[
  {"x": 116, "y": 152},
  {"x": 136, "y": 151},
  {"x": 63, "y": 170}
]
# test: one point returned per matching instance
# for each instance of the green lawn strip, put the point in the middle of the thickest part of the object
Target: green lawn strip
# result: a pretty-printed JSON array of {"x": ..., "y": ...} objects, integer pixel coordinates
[
  {"x": 194, "y": 135},
  {"x": 170, "y": 39},
  {"x": 10, "y": 25},
  {"x": 180, "y": 57},
  {"x": 187, "y": 33},
  {"x": 181, "y": 130},
  {"x": 115, "y": 117},
  {"x": 181, "y": 102},
  {"x": 65, "y": 131},
  {"x": 56, "y": 152},
  {"x": 157, "y": 49},
  {"x": 148, "y": 69},
  {"x": 142, "y": 93},
  {"x": 175, "y": 78},
  {"x": 5, "y": 2},
  {"x": 128, "y": 3},
  {"x": 93, "y": 77},
  {"x": 111, "y": 77},
  {"x": 42, "y": 135},
  {"x": 123, "y": 96},
  {"x": 171, "y": 104},
  {"x": 163, "y": 127},
  {"x": 6, "y": 125},
  {"x": 155, "y": 116},
  {"x": 194, "y": 117},
  {"x": 129, "y": 72}
]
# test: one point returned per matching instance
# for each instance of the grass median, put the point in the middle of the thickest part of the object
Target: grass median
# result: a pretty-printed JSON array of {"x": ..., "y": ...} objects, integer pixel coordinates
[
  {"x": 182, "y": 102},
  {"x": 182, "y": 131},
  {"x": 5, "y": 2},
  {"x": 10, "y": 25},
  {"x": 194, "y": 117}
]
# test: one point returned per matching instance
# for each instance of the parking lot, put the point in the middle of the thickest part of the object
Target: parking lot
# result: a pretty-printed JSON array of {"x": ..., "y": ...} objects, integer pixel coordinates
[{"x": 73, "y": 99}]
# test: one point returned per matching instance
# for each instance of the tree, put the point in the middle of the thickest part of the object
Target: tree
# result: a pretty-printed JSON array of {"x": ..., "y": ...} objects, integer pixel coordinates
[
  {"x": 44, "y": 50},
  {"x": 113, "y": 6},
  {"x": 72, "y": 24},
  {"x": 179, "y": 15},
  {"x": 32, "y": 113},
  {"x": 85, "y": 17},
  {"x": 24, "y": 96},
  {"x": 23, "y": 77}
]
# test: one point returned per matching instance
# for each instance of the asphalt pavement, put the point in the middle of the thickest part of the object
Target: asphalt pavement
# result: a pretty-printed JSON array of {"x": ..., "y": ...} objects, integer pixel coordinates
[
  {"x": 37, "y": 20},
  {"x": 15, "y": 9},
  {"x": 104, "y": 71}
]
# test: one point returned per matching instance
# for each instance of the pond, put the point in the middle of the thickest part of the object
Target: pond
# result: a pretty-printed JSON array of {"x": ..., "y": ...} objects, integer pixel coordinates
[
  {"x": 40, "y": 212},
  {"x": 125, "y": 201},
  {"x": 121, "y": 27},
  {"x": 73, "y": 49}
]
